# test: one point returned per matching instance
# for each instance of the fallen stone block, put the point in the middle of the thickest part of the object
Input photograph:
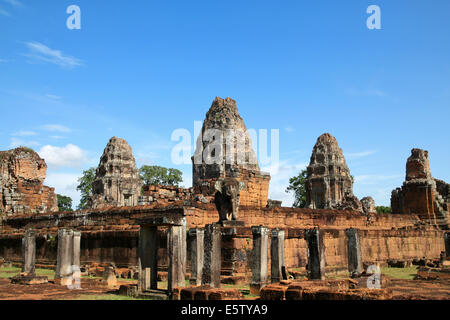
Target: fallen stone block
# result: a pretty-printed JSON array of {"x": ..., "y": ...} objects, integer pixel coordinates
[{"x": 128, "y": 290}]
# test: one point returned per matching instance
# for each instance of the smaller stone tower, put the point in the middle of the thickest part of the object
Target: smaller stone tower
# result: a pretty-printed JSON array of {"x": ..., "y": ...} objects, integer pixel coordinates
[
  {"x": 329, "y": 184},
  {"x": 117, "y": 181}
]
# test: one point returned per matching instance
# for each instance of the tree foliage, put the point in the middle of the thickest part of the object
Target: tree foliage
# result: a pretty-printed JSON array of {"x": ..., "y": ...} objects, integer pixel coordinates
[
  {"x": 85, "y": 187},
  {"x": 154, "y": 175},
  {"x": 64, "y": 203},
  {"x": 382, "y": 209},
  {"x": 297, "y": 185}
]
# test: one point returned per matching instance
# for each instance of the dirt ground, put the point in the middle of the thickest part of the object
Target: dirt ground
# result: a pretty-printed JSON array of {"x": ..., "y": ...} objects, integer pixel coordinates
[{"x": 95, "y": 289}]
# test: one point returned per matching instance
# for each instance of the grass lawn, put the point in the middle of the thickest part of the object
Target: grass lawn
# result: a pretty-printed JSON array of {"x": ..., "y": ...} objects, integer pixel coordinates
[{"x": 400, "y": 273}]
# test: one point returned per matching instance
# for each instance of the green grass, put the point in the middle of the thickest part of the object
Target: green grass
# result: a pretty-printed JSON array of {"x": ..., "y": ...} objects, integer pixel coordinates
[
  {"x": 8, "y": 272},
  {"x": 399, "y": 273}
]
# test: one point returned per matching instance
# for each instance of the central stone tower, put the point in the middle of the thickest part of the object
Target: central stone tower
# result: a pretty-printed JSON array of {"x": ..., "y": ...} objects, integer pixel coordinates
[
  {"x": 117, "y": 182},
  {"x": 214, "y": 159}
]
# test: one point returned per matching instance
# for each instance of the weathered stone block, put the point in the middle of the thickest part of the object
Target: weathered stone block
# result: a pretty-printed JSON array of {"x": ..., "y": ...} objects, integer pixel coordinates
[
  {"x": 259, "y": 259},
  {"x": 212, "y": 256},
  {"x": 316, "y": 253}
]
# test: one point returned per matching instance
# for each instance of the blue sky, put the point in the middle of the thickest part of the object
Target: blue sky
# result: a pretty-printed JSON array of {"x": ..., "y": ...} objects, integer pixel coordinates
[{"x": 139, "y": 70}]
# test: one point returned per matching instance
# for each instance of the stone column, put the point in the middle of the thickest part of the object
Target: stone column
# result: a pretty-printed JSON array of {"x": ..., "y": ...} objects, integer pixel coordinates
[
  {"x": 447, "y": 244},
  {"x": 177, "y": 257},
  {"x": 316, "y": 254},
  {"x": 212, "y": 259},
  {"x": 29, "y": 252},
  {"x": 148, "y": 258},
  {"x": 259, "y": 259},
  {"x": 65, "y": 254},
  {"x": 76, "y": 248},
  {"x": 355, "y": 266},
  {"x": 196, "y": 238},
  {"x": 277, "y": 265}
]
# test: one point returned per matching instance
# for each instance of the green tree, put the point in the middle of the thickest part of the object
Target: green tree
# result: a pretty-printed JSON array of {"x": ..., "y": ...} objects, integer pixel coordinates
[
  {"x": 297, "y": 185},
  {"x": 85, "y": 187},
  {"x": 64, "y": 203},
  {"x": 153, "y": 175},
  {"x": 382, "y": 209}
]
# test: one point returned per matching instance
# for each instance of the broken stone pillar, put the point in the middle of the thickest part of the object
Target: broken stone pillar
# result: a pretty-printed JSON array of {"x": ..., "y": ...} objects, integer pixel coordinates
[
  {"x": 196, "y": 238},
  {"x": 316, "y": 254},
  {"x": 355, "y": 266},
  {"x": 148, "y": 258},
  {"x": 277, "y": 256},
  {"x": 212, "y": 256},
  {"x": 29, "y": 252},
  {"x": 65, "y": 254},
  {"x": 177, "y": 257},
  {"x": 76, "y": 248},
  {"x": 447, "y": 244},
  {"x": 259, "y": 259}
]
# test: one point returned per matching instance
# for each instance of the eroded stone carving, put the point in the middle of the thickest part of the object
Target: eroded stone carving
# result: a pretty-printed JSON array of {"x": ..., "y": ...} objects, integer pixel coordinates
[
  {"x": 227, "y": 198},
  {"x": 329, "y": 184},
  {"x": 22, "y": 190},
  {"x": 368, "y": 205},
  {"x": 117, "y": 182}
]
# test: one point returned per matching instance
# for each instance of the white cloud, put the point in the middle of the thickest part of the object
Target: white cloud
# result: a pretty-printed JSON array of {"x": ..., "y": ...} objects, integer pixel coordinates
[
  {"x": 289, "y": 129},
  {"x": 41, "y": 52},
  {"x": 56, "y": 128},
  {"x": 4, "y": 60},
  {"x": 359, "y": 154},
  {"x": 68, "y": 156},
  {"x": 15, "y": 3},
  {"x": 16, "y": 142},
  {"x": 54, "y": 97},
  {"x": 65, "y": 184},
  {"x": 5, "y": 13},
  {"x": 280, "y": 180},
  {"x": 57, "y": 137},
  {"x": 365, "y": 92},
  {"x": 374, "y": 179},
  {"x": 24, "y": 133}
]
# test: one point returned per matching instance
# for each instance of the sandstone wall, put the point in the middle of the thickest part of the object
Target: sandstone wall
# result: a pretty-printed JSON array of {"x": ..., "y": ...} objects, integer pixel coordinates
[
  {"x": 114, "y": 236},
  {"x": 22, "y": 190}
]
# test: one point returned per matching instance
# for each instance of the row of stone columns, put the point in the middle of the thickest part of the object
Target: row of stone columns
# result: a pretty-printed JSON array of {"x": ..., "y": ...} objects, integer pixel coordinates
[
  {"x": 68, "y": 255},
  {"x": 260, "y": 258},
  {"x": 205, "y": 255},
  {"x": 316, "y": 252}
]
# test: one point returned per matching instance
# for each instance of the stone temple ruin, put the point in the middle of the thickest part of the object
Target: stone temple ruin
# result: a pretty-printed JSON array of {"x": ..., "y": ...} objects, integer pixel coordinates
[
  {"x": 421, "y": 193},
  {"x": 329, "y": 184},
  {"x": 225, "y": 229},
  {"x": 22, "y": 174},
  {"x": 117, "y": 182}
]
